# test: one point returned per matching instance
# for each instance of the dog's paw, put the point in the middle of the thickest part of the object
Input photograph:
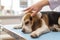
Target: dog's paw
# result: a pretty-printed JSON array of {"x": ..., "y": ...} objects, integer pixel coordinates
[
  {"x": 17, "y": 27},
  {"x": 34, "y": 35},
  {"x": 55, "y": 28}
]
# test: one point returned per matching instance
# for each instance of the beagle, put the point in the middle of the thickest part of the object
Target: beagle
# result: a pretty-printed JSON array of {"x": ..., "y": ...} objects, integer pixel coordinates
[{"x": 41, "y": 23}]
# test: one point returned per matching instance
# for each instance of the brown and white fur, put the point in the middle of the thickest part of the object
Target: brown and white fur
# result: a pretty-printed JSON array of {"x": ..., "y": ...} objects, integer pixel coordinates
[{"x": 36, "y": 25}]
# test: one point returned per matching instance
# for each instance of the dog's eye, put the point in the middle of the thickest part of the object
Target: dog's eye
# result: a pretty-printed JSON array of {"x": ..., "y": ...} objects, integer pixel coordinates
[
  {"x": 31, "y": 18},
  {"x": 26, "y": 22}
]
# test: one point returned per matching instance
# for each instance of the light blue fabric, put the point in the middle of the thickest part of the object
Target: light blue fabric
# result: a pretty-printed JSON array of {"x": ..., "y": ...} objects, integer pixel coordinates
[{"x": 47, "y": 36}]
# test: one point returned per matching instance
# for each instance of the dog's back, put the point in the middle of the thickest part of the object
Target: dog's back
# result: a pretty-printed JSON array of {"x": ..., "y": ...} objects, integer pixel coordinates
[{"x": 53, "y": 17}]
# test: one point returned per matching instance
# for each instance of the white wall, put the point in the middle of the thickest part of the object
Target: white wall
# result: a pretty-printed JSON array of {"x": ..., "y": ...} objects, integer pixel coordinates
[{"x": 8, "y": 3}]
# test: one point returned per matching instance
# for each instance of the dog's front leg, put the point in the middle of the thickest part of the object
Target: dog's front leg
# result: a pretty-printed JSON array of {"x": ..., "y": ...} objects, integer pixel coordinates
[
  {"x": 43, "y": 29},
  {"x": 39, "y": 31},
  {"x": 18, "y": 26},
  {"x": 56, "y": 28}
]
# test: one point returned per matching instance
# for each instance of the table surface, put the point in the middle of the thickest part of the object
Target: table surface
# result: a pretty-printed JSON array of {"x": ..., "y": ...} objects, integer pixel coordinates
[{"x": 48, "y": 36}]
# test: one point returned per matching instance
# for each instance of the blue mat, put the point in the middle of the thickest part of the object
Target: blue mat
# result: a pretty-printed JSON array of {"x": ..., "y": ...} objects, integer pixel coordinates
[{"x": 48, "y": 36}]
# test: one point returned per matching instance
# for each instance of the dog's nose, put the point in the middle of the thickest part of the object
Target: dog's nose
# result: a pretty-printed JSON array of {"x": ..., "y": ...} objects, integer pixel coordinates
[{"x": 23, "y": 30}]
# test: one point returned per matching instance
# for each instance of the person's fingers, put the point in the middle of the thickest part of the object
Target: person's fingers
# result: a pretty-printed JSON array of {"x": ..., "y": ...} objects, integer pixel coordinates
[{"x": 34, "y": 13}]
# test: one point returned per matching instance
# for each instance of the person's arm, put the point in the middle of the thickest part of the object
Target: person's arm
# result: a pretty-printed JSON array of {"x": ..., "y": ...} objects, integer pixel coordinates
[
  {"x": 54, "y": 3},
  {"x": 44, "y": 2},
  {"x": 37, "y": 6}
]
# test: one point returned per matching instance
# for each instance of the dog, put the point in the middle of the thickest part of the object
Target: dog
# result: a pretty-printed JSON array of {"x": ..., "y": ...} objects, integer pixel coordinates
[{"x": 39, "y": 24}]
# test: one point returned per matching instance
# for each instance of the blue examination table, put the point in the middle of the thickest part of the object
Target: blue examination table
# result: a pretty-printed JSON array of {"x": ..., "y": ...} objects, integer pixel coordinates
[{"x": 18, "y": 35}]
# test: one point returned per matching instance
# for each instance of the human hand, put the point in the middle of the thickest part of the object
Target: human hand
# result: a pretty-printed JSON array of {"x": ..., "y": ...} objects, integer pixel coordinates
[{"x": 35, "y": 8}]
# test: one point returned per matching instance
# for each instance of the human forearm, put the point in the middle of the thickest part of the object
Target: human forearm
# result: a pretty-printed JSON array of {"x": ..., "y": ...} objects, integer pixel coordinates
[{"x": 43, "y": 3}]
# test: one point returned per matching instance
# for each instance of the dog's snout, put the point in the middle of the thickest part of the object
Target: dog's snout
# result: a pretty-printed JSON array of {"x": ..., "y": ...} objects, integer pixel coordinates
[{"x": 23, "y": 30}]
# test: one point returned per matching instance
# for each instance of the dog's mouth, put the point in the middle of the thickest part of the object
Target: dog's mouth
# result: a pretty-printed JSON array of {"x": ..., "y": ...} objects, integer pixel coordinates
[{"x": 25, "y": 32}]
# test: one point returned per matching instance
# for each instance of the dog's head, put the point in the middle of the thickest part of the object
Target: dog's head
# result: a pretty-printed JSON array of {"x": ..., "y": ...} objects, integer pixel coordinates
[{"x": 28, "y": 22}]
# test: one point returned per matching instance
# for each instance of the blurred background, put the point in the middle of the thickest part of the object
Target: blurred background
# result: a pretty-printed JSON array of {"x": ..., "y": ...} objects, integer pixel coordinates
[{"x": 14, "y": 7}]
